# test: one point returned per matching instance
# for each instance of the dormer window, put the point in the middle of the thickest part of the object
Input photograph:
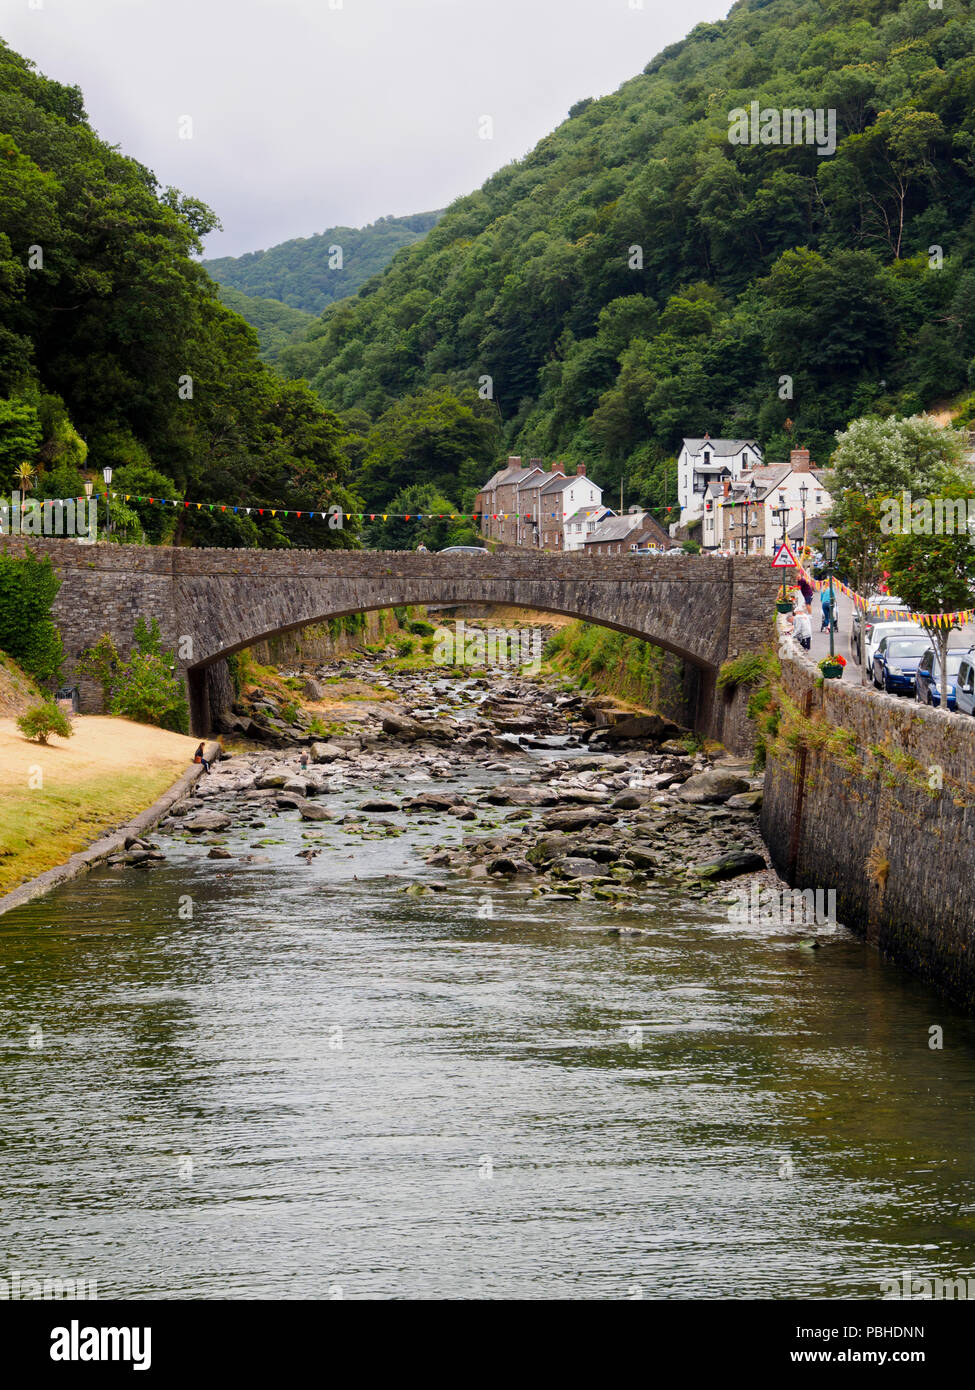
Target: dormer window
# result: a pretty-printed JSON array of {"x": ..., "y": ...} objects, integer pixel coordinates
[{"x": 707, "y": 457}]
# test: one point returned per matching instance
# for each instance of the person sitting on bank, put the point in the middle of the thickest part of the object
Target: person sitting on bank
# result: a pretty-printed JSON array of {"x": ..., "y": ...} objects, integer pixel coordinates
[{"x": 198, "y": 757}]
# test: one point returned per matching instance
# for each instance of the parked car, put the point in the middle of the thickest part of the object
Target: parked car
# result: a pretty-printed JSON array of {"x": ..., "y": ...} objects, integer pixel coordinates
[
  {"x": 965, "y": 685},
  {"x": 873, "y": 632},
  {"x": 465, "y": 550},
  {"x": 928, "y": 683},
  {"x": 895, "y": 661},
  {"x": 866, "y": 618}
]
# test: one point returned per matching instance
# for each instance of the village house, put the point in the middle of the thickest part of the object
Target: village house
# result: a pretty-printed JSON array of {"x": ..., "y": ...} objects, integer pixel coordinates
[
  {"x": 580, "y": 526},
  {"x": 561, "y": 498},
  {"x": 537, "y": 506},
  {"x": 763, "y": 491},
  {"x": 509, "y": 505},
  {"x": 705, "y": 461},
  {"x": 619, "y": 535}
]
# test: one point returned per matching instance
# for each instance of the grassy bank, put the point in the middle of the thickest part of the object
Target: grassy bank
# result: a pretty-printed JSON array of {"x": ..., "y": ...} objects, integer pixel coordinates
[
  {"x": 600, "y": 659},
  {"x": 57, "y": 799}
]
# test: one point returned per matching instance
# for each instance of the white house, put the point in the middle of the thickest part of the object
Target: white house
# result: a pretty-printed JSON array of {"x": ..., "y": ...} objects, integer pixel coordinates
[
  {"x": 580, "y": 527},
  {"x": 707, "y": 460},
  {"x": 765, "y": 490}
]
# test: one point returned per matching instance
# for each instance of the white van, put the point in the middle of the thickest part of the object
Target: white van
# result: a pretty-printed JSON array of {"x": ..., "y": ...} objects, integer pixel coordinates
[{"x": 965, "y": 685}]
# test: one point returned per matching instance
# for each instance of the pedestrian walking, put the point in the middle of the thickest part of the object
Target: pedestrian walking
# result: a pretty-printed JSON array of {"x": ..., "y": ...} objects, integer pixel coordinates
[
  {"x": 827, "y": 611},
  {"x": 801, "y": 622}
]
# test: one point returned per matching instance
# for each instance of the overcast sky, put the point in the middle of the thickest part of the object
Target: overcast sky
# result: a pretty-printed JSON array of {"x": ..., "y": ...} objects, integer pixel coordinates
[{"x": 311, "y": 113}]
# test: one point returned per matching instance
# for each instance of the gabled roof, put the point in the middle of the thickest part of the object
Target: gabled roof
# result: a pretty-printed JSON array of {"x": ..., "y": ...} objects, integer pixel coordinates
[
  {"x": 622, "y": 528},
  {"x": 534, "y": 477},
  {"x": 766, "y": 479},
  {"x": 507, "y": 477},
  {"x": 587, "y": 514},
  {"x": 492, "y": 482},
  {"x": 614, "y": 528},
  {"x": 558, "y": 484},
  {"x": 721, "y": 448}
]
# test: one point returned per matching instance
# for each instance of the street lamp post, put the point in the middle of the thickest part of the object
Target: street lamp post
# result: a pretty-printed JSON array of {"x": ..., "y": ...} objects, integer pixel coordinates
[
  {"x": 782, "y": 512},
  {"x": 831, "y": 543},
  {"x": 107, "y": 475}
]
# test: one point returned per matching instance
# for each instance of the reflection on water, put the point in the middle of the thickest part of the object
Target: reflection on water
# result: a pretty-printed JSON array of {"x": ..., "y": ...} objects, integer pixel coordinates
[{"x": 316, "y": 1084}]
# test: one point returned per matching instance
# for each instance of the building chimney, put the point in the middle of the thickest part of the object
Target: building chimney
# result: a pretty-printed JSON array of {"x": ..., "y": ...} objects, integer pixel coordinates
[
  {"x": 799, "y": 459},
  {"x": 580, "y": 470},
  {"x": 514, "y": 461},
  {"x": 727, "y": 486},
  {"x": 536, "y": 463}
]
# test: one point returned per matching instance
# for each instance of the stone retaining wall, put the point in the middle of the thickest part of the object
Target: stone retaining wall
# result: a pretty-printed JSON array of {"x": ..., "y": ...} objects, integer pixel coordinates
[{"x": 877, "y": 801}]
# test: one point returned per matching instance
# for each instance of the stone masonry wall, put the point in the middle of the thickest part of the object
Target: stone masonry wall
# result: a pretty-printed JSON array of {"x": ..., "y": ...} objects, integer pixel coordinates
[{"x": 877, "y": 801}]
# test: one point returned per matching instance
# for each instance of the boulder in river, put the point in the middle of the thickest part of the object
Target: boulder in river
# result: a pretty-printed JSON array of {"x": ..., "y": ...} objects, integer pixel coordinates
[
  {"x": 502, "y": 866},
  {"x": 712, "y": 786},
  {"x": 549, "y": 847},
  {"x": 578, "y": 818},
  {"x": 572, "y": 867},
  {"x": 325, "y": 752},
  {"x": 745, "y": 801},
  {"x": 642, "y": 726},
  {"x": 643, "y": 855},
  {"x": 739, "y": 861},
  {"x": 206, "y": 820}
]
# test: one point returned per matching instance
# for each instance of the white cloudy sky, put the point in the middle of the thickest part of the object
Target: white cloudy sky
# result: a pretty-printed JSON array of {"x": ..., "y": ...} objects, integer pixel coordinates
[{"x": 311, "y": 113}]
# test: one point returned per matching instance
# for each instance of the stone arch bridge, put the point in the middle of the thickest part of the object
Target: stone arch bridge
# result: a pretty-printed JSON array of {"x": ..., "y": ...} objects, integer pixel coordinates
[{"x": 211, "y": 603}]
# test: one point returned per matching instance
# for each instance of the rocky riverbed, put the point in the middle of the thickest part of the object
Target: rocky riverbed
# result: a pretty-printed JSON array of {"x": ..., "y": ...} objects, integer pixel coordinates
[{"x": 530, "y": 785}]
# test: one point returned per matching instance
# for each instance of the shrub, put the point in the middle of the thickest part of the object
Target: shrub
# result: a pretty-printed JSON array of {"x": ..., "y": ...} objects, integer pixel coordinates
[
  {"x": 150, "y": 693},
  {"x": 747, "y": 669},
  {"x": 101, "y": 663},
  {"x": 28, "y": 588},
  {"x": 43, "y": 720},
  {"x": 421, "y": 629},
  {"x": 405, "y": 646}
]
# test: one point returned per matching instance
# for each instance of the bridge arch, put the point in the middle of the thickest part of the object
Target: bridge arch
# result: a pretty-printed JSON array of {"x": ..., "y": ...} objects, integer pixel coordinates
[{"x": 212, "y": 603}]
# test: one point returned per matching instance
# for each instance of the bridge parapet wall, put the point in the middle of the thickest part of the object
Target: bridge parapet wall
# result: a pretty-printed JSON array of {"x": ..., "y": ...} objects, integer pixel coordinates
[{"x": 211, "y": 603}]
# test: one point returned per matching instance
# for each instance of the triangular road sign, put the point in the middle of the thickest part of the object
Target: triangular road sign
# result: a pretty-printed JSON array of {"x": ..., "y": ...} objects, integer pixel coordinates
[{"x": 784, "y": 558}]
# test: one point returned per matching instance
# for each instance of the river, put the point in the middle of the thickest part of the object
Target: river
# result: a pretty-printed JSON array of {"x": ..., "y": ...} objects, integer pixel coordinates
[{"x": 317, "y": 1085}]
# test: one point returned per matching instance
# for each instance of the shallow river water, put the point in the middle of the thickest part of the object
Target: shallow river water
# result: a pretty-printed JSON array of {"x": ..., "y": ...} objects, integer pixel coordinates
[{"x": 319, "y": 1086}]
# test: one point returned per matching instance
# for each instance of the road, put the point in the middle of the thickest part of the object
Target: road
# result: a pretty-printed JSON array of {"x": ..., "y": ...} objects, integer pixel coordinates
[{"x": 964, "y": 638}]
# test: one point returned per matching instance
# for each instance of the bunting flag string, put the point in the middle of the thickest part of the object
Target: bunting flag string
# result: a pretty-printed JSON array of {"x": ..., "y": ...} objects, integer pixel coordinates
[
  {"x": 960, "y": 618},
  {"x": 323, "y": 515}
]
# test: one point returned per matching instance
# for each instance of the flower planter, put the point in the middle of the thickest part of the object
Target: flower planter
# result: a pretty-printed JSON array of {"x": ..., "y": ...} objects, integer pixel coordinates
[
  {"x": 783, "y": 606},
  {"x": 832, "y": 671}
]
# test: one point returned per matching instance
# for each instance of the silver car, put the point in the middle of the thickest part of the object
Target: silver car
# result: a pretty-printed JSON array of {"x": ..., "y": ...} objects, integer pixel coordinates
[{"x": 965, "y": 685}]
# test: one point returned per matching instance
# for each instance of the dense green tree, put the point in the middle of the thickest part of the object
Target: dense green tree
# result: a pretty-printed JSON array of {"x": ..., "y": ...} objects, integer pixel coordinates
[
  {"x": 637, "y": 277},
  {"x": 28, "y": 588},
  {"x": 445, "y": 437},
  {"x": 936, "y": 573},
  {"x": 115, "y": 349}
]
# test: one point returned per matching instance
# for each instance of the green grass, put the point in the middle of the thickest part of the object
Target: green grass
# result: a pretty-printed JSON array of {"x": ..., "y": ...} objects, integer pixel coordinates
[{"x": 41, "y": 829}]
